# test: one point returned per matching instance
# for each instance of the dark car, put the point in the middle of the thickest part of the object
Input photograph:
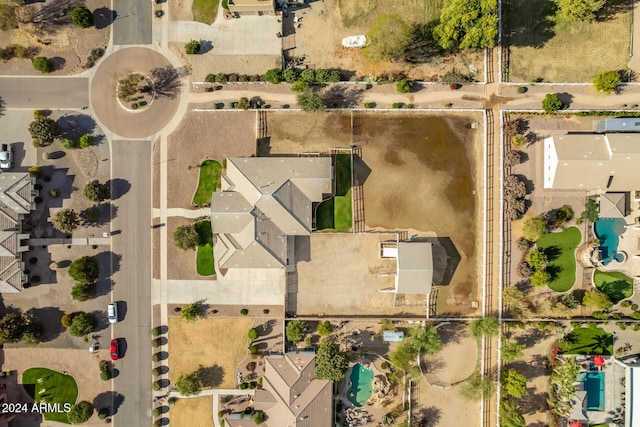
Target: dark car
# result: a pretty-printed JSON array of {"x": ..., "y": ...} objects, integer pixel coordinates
[{"x": 115, "y": 349}]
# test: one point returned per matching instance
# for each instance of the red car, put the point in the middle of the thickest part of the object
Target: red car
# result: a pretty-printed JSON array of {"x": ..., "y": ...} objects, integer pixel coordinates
[{"x": 115, "y": 349}]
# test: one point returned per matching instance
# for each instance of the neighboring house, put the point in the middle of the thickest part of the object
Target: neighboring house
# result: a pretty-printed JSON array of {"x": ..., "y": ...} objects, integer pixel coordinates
[
  {"x": 414, "y": 265},
  {"x": 291, "y": 395},
  {"x": 606, "y": 162},
  {"x": 252, "y": 7},
  {"x": 264, "y": 203},
  {"x": 17, "y": 199},
  {"x": 629, "y": 124}
]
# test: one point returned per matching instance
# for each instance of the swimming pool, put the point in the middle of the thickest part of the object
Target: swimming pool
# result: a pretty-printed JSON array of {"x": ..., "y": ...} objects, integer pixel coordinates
[
  {"x": 360, "y": 388},
  {"x": 594, "y": 386},
  {"x": 608, "y": 231}
]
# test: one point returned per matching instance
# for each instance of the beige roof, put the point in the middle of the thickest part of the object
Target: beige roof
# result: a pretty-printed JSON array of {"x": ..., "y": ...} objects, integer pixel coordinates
[
  {"x": 578, "y": 411},
  {"x": 612, "y": 205},
  {"x": 291, "y": 395},
  {"x": 415, "y": 268},
  {"x": 264, "y": 200},
  {"x": 592, "y": 161}
]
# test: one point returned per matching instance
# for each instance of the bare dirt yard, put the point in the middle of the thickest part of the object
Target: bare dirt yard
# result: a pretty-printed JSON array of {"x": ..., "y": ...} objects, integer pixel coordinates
[
  {"x": 543, "y": 46},
  {"x": 439, "y": 154},
  {"x": 336, "y": 19},
  {"x": 58, "y": 39},
  {"x": 216, "y": 345},
  {"x": 445, "y": 407},
  {"x": 193, "y": 412}
]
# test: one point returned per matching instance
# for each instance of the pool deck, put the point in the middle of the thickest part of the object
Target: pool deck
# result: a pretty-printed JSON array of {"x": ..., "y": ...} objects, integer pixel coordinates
[
  {"x": 629, "y": 244},
  {"x": 613, "y": 389}
]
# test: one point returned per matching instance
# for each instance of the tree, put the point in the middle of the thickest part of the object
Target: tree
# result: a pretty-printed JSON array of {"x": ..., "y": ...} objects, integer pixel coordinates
[
  {"x": 84, "y": 270},
  {"x": 331, "y": 363},
  {"x": 80, "y": 412},
  {"x": 579, "y": 10},
  {"x": 607, "y": 81},
  {"x": 186, "y": 237},
  {"x": 33, "y": 333},
  {"x": 311, "y": 100},
  {"x": 551, "y": 103},
  {"x": 295, "y": 331},
  {"x": 533, "y": 228},
  {"x": 35, "y": 171},
  {"x": 509, "y": 414},
  {"x": 514, "y": 187},
  {"x": 308, "y": 75},
  {"x": 540, "y": 278},
  {"x": 12, "y": 326},
  {"x": 489, "y": 326},
  {"x": 96, "y": 192},
  {"x": 290, "y": 75},
  {"x": 42, "y": 64},
  {"x": 519, "y": 140},
  {"x": 273, "y": 75},
  {"x": 511, "y": 350},
  {"x": 189, "y": 384},
  {"x": 388, "y": 38},
  {"x": 403, "y": 356},
  {"x": 590, "y": 211},
  {"x": 259, "y": 417},
  {"x": 564, "y": 213},
  {"x": 44, "y": 130},
  {"x": 192, "y": 312},
  {"x": 477, "y": 388},
  {"x": 253, "y": 334},
  {"x": 83, "y": 291},
  {"x": 514, "y": 383},
  {"x": 425, "y": 338},
  {"x": 68, "y": 143},
  {"x": 513, "y": 298},
  {"x": 65, "y": 220},
  {"x": 192, "y": 47},
  {"x": 537, "y": 259},
  {"x": 85, "y": 141},
  {"x": 82, "y": 324},
  {"x": 467, "y": 24},
  {"x": 404, "y": 86},
  {"x": 324, "y": 328},
  {"x": 596, "y": 299},
  {"x": 82, "y": 17},
  {"x": 243, "y": 103},
  {"x": 512, "y": 158}
]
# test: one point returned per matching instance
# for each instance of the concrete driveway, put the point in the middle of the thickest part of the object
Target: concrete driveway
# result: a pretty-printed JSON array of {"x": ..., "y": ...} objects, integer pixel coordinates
[{"x": 44, "y": 92}]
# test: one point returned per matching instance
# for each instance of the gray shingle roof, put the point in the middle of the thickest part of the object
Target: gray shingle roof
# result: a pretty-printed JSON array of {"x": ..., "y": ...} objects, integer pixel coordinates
[{"x": 415, "y": 268}]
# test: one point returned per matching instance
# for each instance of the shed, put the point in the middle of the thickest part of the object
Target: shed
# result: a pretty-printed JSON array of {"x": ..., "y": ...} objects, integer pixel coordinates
[
  {"x": 621, "y": 124},
  {"x": 392, "y": 336},
  {"x": 415, "y": 268}
]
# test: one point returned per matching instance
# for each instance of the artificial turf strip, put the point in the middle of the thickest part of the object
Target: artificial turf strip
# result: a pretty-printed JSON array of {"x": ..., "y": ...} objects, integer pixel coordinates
[
  {"x": 560, "y": 249},
  {"x": 55, "y": 387},
  {"x": 616, "y": 285},
  {"x": 589, "y": 341},
  {"x": 204, "y": 256},
  {"x": 336, "y": 214},
  {"x": 209, "y": 181}
]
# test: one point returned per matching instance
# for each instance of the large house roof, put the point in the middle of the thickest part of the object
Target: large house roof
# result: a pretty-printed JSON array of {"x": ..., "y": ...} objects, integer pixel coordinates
[
  {"x": 415, "y": 268},
  {"x": 263, "y": 201},
  {"x": 592, "y": 161}
]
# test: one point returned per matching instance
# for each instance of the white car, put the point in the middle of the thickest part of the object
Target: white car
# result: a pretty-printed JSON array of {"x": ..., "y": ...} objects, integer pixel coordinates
[
  {"x": 112, "y": 312},
  {"x": 6, "y": 157}
]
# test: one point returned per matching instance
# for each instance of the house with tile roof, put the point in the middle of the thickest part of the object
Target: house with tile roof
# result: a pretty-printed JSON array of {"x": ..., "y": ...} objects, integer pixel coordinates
[{"x": 17, "y": 199}]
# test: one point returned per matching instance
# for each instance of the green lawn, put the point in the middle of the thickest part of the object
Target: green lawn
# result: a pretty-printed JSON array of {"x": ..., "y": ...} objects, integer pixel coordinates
[
  {"x": 560, "y": 249},
  {"x": 210, "y": 171},
  {"x": 205, "y": 11},
  {"x": 55, "y": 387},
  {"x": 204, "y": 256},
  {"x": 617, "y": 286},
  {"x": 336, "y": 214},
  {"x": 589, "y": 341}
]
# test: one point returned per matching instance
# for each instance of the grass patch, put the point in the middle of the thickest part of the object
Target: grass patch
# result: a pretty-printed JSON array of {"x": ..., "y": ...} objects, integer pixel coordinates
[
  {"x": 544, "y": 46},
  {"x": 560, "y": 249},
  {"x": 54, "y": 388},
  {"x": 205, "y": 11},
  {"x": 204, "y": 256},
  {"x": 336, "y": 213},
  {"x": 617, "y": 286},
  {"x": 360, "y": 13},
  {"x": 209, "y": 181},
  {"x": 589, "y": 341}
]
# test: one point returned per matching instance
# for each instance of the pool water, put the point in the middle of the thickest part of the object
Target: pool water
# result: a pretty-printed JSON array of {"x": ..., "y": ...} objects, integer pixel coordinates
[
  {"x": 594, "y": 386},
  {"x": 360, "y": 389},
  {"x": 608, "y": 231}
]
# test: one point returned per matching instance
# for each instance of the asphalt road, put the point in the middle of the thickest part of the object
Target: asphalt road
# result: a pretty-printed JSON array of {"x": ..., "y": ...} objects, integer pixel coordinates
[
  {"x": 133, "y": 22},
  {"x": 131, "y": 241},
  {"x": 44, "y": 92}
]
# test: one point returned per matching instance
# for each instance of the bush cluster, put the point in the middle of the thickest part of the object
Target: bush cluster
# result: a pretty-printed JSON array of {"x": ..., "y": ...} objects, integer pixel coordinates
[
  {"x": 514, "y": 194},
  {"x": 94, "y": 55},
  {"x": 17, "y": 51}
]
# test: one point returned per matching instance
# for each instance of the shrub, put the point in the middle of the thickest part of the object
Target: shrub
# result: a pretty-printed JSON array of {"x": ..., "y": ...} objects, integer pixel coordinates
[
  {"x": 253, "y": 334},
  {"x": 368, "y": 105},
  {"x": 308, "y": 75},
  {"x": 396, "y": 105},
  {"x": 290, "y": 75},
  {"x": 569, "y": 301},
  {"x": 82, "y": 17},
  {"x": 519, "y": 140},
  {"x": 512, "y": 158},
  {"x": 155, "y": 331},
  {"x": 607, "y": 81},
  {"x": 324, "y": 328},
  {"x": 243, "y": 103},
  {"x": 156, "y": 412},
  {"x": 44, "y": 130},
  {"x": 551, "y": 103},
  {"x": 155, "y": 357},
  {"x": 80, "y": 412},
  {"x": 385, "y": 365},
  {"x": 157, "y": 385},
  {"x": 66, "y": 319},
  {"x": 524, "y": 244},
  {"x": 273, "y": 76},
  {"x": 625, "y": 303},
  {"x": 634, "y": 307},
  {"x": 265, "y": 311},
  {"x": 156, "y": 372},
  {"x": 84, "y": 270},
  {"x": 82, "y": 324},
  {"x": 82, "y": 291},
  {"x": 156, "y": 342},
  {"x": 186, "y": 237},
  {"x": 244, "y": 311},
  {"x": 104, "y": 376},
  {"x": 522, "y": 89},
  {"x": 251, "y": 366},
  {"x": 35, "y": 171},
  {"x": 103, "y": 413},
  {"x": 42, "y": 64},
  {"x": 244, "y": 386},
  {"x": 211, "y": 78},
  {"x": 524, "y": 270},
  {"x": 299, "y": 86},
  {"x": 192, "y": 47},
  {"x": 54, "y": 192},
  {"x": 404, "y": 86},
  {"x": 253, "y": 349}
]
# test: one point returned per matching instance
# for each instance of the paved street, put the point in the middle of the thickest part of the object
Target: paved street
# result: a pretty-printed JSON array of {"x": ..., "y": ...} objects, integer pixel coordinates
[
  {"x": 44, "y": 92},
  {"x": 133, "y": 22},
  {"x": 132, "y": 281}
]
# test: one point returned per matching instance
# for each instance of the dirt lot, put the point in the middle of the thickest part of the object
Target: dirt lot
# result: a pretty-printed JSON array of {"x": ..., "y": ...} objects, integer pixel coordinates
[
  {"x": 438, "y": 154},
  {"x": 193, "y": 412},
  {"x": 459, "y": 352},
  {"x": 336, "y": 19},
  {"x": 214, "y": 135},
  {"x": 66, "y": 44},
  {"x": 446, "y": 407},
  {"x": 191, "y": 345}
]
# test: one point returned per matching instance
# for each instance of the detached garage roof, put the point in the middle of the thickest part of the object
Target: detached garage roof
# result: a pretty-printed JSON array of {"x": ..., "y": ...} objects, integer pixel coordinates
[{"x": 415, "y": 268}]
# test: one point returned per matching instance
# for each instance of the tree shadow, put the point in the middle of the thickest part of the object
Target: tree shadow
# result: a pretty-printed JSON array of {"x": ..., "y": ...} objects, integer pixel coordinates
[
  {"x": 566, "y": 99},
  {"x": 102, "y": 17},
  {"x": 452, "y": 333},
  {"x": 166, "y": 81},
  {"x": 529, "y": 185},
  {"x": 611, "y": 8},
  {"x": 76, "y": 125},
  {"x": 533, "y": 336},
  {"x": 532, "y": 403},
  {"x": 118, "y": 187},
  {"x": 108, "y": 262},
  {"x": 106, "y": 213},
  {"x": 49, "y": 318},
  {"x": 533, "y": 26},
  {"x": 552, "y": 252},
  {"x": 102, "y": 323},
  {"x": 205, "y": 46},
  {"x": 210, "y": 376},
  {"x": 423, "y": 46},
  {"x": 109, "y": 399},
  {"x": 429, "y": 417},
  {"x": 343, "y": 96}
]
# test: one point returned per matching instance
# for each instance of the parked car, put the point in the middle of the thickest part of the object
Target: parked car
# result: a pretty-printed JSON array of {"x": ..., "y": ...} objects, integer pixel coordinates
[
  {"x": 115, "y": 349},
  {"x": 112, "y": 312},
  {"x": 6, "y": 156}
]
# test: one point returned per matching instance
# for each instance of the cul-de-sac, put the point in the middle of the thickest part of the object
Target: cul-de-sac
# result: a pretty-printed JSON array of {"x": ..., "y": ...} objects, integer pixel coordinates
[{"x": 320, "y": 213}]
